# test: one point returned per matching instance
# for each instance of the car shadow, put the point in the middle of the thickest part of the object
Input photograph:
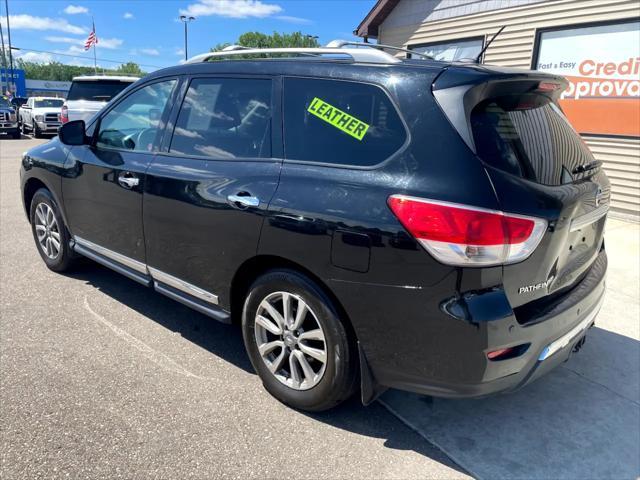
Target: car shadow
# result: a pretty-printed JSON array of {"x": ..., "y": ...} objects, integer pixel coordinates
[
  {"x": 225, "y": 341},
  {"x": 579, "y": 421}
]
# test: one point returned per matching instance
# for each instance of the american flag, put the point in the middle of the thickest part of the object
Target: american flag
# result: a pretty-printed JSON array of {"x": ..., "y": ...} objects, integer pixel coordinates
[{"x": 91, "y": 39}]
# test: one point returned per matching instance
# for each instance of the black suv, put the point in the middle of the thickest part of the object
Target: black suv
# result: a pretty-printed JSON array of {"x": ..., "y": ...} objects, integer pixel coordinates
[{"x": 370, "y": 222}]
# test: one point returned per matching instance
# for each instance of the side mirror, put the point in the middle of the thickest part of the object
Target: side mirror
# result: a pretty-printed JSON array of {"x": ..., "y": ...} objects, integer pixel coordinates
[{"x": 72, "y": 133}]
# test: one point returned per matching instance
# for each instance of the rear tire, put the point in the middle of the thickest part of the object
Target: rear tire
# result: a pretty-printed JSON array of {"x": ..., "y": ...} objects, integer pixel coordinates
[
  {"x": 303, "y": 382},
  {"x": 50, "y": 233}
]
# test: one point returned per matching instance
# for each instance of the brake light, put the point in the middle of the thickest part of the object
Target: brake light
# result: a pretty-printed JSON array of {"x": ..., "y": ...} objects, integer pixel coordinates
[
  {"x": 548, "y": 86},
  {"x": 467, "y": 236},
  {"x": 64, "y": 114}
]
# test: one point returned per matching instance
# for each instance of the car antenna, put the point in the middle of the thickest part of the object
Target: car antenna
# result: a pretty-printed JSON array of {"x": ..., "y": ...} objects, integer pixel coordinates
[{"x": 484, "y": 49}]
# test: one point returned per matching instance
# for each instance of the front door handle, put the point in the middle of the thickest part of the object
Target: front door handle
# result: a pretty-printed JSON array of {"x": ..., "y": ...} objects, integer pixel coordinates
[
  {"x": 244, "y": 200},
  {"x": 128, "y": 180}
]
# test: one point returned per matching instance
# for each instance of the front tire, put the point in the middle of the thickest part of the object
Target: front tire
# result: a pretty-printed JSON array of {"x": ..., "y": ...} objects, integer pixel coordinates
[
  {"x": 50, "y": 233},
  {"x": 297, "y": 343},
  {"x": 36, "y": 131}
]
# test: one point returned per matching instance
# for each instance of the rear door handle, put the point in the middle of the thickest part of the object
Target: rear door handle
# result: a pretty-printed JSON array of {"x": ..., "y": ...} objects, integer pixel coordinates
[
  {"x": 244, "y": 200},
  {"x": 128, "y": 180}
]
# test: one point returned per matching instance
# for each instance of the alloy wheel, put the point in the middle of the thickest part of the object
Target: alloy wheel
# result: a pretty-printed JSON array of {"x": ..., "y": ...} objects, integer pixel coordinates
[
  {"x": 47, "y": 231},
  {"x": 290, "y": 340}
]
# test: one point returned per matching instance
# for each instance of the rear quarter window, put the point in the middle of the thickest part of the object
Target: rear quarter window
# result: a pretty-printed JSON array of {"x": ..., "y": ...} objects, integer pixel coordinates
[{"x": 339, "y": 122}]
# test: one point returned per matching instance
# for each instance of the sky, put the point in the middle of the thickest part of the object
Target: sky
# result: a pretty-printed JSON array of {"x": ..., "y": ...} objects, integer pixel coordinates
[{"x": 150, "y": 34}]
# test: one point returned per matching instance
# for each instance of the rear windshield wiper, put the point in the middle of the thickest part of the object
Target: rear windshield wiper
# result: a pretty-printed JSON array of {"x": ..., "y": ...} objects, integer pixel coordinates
[{"x": 587, "y": 166}]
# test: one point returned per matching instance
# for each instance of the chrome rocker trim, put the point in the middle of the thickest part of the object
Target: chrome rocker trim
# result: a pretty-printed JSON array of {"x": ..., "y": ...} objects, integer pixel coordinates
[
  {"x": 183, "y": 286},
  {"x": 168, "y": 285},
  {"x": 118, "y": 257}
]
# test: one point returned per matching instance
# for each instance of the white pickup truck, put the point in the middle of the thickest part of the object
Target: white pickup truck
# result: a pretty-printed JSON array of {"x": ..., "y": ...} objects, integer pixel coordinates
[
  {"x": 88, "y": 94},
  {"x": 41, "y": 115}
]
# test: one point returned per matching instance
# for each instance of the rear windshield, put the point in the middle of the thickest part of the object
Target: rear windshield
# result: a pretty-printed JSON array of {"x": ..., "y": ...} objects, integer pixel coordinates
[
  {"x": 529, "y": 136},
  {"x": 48, "y": 103},
  {"x": 100, "y": 91}
]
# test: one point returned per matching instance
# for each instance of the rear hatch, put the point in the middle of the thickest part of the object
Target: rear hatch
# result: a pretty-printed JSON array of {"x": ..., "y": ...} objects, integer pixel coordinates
[
  {"x": 87, "y": 97},
  {"x": 539, "y": 167}
]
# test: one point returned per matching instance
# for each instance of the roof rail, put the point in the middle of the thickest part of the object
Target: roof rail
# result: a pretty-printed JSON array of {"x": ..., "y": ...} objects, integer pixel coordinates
[
  {"x": 360, "y": 55},
  {"x": 382, "y": 46}
]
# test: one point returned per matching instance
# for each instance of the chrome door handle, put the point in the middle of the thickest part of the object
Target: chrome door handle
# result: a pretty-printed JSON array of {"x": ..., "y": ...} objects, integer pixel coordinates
[
  {"x": 127, "y": 180},
  {"x": 246, "y": 201}
]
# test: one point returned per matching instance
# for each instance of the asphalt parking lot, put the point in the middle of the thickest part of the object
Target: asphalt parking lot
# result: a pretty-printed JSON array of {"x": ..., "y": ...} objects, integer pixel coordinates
[{"x": 101, "y": 377}]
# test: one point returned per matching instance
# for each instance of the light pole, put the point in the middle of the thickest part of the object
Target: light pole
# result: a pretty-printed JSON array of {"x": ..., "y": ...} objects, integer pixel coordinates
[{"x": 186, "y": 19}]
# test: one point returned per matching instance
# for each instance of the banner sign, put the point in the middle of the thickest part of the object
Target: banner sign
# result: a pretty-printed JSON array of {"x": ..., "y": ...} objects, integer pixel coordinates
[{"x": 602, "y": 65}]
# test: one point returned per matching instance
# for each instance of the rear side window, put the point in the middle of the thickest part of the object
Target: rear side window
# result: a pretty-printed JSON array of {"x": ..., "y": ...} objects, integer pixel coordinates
[
  {"x": 100, "y": 91},
  {"x": 528, "y": 136},
  {"x": 225, "y": 118},
  {"x": 339, "y": 122}
]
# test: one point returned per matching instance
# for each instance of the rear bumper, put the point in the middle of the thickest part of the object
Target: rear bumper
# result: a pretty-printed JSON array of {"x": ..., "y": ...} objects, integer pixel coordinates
[{"x": 446, "y": 358}]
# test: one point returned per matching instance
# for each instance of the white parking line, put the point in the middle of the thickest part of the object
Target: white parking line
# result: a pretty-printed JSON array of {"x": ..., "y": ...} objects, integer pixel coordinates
[{"x": 156, "y": 357}]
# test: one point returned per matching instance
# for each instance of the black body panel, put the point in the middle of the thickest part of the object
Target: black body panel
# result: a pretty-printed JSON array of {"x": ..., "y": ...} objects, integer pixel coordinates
[
  {"x": 99, "y": 208},
  {"x": 421, "y": 325},
  {"x": 192, "y": 230}
]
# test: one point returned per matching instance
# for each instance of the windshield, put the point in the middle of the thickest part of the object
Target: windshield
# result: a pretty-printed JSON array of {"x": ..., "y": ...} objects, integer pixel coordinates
[
  {"x": 48, "y": 103},
  {"x": 100, "y": 91},
  {"x": 528, "y": 136},
  {"x": 4, "y": 102}
]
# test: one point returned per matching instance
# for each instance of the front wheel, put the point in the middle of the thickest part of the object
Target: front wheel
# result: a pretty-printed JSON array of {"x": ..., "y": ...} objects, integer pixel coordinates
[
  {"x": 49, "y": 232},
  {"x": 297, "y": 343}
]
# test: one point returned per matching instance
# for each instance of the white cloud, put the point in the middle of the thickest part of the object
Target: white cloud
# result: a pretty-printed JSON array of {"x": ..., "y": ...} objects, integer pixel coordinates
[
  {"x": 36, "y": 57},
  {"x": 29, "y": 22},
  {"x": 75, "y": 9},
  {"x": 108, "y": 43},
  {"x": 290, "y": 19},
  {"x": 231, "y": 8},
  {"x": 150, "y": 51},
  {"x": 128, "y": 16},
  {"x": 179, "y": 51}
]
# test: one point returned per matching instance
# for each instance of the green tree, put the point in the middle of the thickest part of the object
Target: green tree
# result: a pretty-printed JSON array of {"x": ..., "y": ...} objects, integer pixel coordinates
[
  {"x": 130, "y": 68},
  {"x": 276, "y": 40},
  {"x": 65, "y": 73}
]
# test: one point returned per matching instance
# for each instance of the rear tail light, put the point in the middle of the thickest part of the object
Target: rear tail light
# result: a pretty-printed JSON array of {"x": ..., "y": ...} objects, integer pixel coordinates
[
  {"x": 64, "y": 114},
  {"x": 467, "y": 236},
  {"x": 548, "y": 86}
]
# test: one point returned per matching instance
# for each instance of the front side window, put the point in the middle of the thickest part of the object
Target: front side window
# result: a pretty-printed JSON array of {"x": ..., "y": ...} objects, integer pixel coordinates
[
  {"x": 133, "y": 123},
  {"x": 452, "y": 51},
  {"x": 339, "y": 122},
  {"x": 225, "y": 118}
]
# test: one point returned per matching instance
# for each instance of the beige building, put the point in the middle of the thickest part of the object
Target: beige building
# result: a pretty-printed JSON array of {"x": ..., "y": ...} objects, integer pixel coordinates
[{"x": 594, "y": 43}]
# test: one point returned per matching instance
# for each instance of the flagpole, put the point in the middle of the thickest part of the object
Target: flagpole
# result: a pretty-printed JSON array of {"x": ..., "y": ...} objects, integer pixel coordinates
[{"x": 95, "y": 61}]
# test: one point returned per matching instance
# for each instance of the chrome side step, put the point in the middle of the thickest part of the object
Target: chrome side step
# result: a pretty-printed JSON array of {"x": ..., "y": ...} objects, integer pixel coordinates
[
  {"x": 112, "y": 264},
  {"x": 172, "y": 287},
  {"x": 209, "y": 310}
]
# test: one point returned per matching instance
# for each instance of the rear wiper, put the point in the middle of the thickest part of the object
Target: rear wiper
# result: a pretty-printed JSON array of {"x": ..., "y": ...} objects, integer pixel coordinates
[{"x": 587, "y": 166}]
